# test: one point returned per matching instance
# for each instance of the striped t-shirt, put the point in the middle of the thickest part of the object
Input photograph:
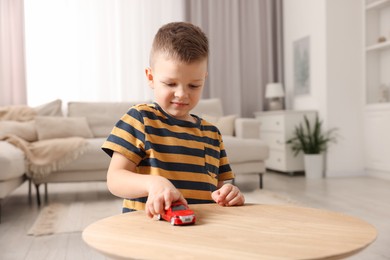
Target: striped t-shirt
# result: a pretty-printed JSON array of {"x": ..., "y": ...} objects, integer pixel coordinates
[{"x": 191, "y": 155}]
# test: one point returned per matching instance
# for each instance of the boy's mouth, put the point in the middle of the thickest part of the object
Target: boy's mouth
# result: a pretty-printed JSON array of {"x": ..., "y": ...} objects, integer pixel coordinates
[{"x": 179, "y": 104}]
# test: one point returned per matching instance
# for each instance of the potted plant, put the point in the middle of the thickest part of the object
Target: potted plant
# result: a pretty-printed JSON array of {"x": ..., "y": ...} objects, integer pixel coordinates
[{"x": 313, "y": 142}]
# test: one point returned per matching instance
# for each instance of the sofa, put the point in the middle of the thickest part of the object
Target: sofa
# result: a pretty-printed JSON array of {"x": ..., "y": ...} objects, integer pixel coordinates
[{"x": 93, "y": 121}]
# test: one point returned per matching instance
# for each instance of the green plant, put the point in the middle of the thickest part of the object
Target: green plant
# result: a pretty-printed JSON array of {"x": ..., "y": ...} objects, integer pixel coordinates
[{"x": 311, "y": 140}]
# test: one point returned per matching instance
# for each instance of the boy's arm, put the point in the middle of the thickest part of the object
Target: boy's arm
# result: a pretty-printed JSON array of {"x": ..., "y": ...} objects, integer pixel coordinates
[{"x": 124, "y": 182}]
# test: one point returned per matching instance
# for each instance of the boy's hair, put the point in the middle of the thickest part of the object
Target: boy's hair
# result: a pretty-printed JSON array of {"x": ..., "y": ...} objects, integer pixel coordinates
[{"x": 181, "y": 41}]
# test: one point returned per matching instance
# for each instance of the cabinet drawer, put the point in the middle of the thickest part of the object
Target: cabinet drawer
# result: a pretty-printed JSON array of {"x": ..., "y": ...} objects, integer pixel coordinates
[
  {"x": 274, "y": 140},
  {"x": 276, "y": 161},
  {"x": 272, "y": 123},
  {"x": 284, "y": 161}
]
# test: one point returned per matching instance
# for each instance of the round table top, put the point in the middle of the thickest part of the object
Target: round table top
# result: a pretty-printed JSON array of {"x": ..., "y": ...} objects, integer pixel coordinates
[{"x": 252, "y": 231}]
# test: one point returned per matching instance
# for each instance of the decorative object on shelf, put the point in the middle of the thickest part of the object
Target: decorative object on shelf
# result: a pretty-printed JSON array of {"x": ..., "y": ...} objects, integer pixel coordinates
[
  {"x": 383, "y": 93},
  {"x": 301, "y": 53},
  {"x": 313, "y": 142},
  {"x": 382, "y": 39},
  {"x": 274, "y": 93}
]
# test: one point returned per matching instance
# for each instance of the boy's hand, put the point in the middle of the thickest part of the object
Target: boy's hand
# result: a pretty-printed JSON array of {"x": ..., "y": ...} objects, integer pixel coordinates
[
  {"x": 228, "y": 195},
  {"x": 161, "y": 195}
]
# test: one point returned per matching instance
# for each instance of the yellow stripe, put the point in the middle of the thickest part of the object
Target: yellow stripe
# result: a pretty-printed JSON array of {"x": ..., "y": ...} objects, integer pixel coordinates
[
  {"x": 168, "y": 140},
  {"x": 226, "y": 176},
  {"x": 177, "y": 158},
  {"x": 224, "y": 160},
  {"x": 133, "y": 122},
  {"x": 188, "y": 194},
  {"x": 133, "y": 204},
  {"x": 196, "y": 194}
]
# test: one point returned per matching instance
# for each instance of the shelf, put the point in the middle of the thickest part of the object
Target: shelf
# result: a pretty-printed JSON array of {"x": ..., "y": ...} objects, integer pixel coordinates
[
  {"x": 378, "y": 106},
  {"x": 377, "y": 5},
  {"x": 379, "y": 46}
]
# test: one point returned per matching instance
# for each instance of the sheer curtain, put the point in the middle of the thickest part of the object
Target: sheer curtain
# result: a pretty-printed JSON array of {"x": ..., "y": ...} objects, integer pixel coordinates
[
  {"x": 245, "y": 49},
  {"x": 12, "y": 63},
  {"x": 92, "y": 50},
  {"x": 97, "y": 50}
]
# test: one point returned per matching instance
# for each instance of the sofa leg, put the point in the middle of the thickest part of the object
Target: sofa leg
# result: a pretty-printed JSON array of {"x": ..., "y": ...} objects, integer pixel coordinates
[
  {"x": 46, "y": 194},
  {"x": 38, "y": 195},
  {"x": 29, "y": 191},
  {"x": 261, "y": 180}
]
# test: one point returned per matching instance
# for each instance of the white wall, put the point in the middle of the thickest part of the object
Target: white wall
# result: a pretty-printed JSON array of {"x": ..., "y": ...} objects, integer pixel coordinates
[
  {"x": 335, "y": 31},
  {"x": 305, "y": 18}
]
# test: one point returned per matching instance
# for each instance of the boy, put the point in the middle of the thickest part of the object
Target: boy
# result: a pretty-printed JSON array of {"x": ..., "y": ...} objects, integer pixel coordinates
[{"x": 160, "y": 152}]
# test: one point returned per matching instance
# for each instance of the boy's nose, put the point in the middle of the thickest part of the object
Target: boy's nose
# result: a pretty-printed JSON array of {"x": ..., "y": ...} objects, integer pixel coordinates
[{"x": 180, "y": 91}]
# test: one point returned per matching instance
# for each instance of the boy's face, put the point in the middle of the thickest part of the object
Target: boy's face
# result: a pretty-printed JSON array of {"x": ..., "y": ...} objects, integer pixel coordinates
[{"x": 177, "y": 86}]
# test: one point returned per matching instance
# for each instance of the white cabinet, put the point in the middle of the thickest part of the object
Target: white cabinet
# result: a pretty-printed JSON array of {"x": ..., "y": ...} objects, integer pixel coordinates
[
  {"x": 275, "y": 129},
  {"x": 377, "y": 142},
  {"x": 376, "y": 52}
]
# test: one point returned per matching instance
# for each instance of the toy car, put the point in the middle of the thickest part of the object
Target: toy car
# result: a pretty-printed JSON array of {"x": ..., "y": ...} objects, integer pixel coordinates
[{"x": 178, "y": 214}]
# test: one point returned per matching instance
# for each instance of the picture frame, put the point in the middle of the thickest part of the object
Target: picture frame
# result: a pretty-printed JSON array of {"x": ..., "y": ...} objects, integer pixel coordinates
[{"x": 301, "y": 59}]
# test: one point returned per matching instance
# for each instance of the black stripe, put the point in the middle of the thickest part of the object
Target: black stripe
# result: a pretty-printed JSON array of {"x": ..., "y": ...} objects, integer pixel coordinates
[
  {"x": 212, "y": 168},
  {"x": 193, "y": 185},
  {"x": 162, "y": 148},
  {"x": 189, "y": 200},
  {"x": 199, "y": 201},
  {"x": 163, "y": 132},
  {"x": 224, "y": 168},
  {"x": 173, "y": 166},
  {"x": 130, "y": 129}
]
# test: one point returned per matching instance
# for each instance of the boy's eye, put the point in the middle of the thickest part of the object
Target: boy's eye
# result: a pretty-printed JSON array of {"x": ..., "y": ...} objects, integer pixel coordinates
[
  {"x": 194, "y": 86},
  {"x": 169, "y": 84}
]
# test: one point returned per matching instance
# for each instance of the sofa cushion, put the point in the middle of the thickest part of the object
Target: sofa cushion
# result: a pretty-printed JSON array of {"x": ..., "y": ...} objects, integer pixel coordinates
[
  {"x": 225, "y": 124},
  {"x": 53, "y": 108},
  {"x": 245, "y": 150},
  {"x": 101, "y": 116},
  {"x": 49, "y": 127},
  {"x": 93, "y": 158},
  {"x": 12, "y": 162},
  {"x": 25, "y": 130},
  {"x": 211, "y": 107}
]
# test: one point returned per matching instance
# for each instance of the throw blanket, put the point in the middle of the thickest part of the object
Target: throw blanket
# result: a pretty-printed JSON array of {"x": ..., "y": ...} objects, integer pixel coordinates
[
  {"x": 43, "y": 156},
  {"x": 18, "y": 113},
  {"x": 46, "y": 156}
]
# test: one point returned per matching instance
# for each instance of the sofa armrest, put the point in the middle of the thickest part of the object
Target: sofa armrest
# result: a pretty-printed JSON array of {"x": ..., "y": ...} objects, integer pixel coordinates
[{"x": 247, "y": 128}]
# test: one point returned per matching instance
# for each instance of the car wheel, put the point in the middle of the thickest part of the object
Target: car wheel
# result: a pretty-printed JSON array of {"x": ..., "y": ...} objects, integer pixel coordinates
[
  {"x": 172, "y": 221},
  {"x": 159, "y": 217}
]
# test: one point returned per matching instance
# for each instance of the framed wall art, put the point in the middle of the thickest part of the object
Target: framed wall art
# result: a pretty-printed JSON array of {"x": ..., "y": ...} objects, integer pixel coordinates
[{"x": 301, "y": 66}]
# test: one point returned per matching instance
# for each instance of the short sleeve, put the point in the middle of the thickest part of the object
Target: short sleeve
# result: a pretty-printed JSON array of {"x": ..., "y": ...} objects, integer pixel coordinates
[{"x": 127, "y": 137}]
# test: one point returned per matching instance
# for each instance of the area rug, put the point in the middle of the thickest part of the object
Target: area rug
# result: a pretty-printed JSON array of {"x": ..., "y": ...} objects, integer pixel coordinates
[{"x": 60, "y": 218}]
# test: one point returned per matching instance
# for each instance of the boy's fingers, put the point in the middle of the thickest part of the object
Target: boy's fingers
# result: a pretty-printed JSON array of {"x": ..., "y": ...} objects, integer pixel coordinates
[
  {"x": 224, "y": 191},
  {"x": 158, "y": 207},
  {"x": 237, "y": 201},
  {"x": 182, "y": 199},
  {"x": 149, "y": 210},
  {"x": 215, "y": 196},
  {"x": 232, "y": 194},
  {"x": 168, "y": 200}
]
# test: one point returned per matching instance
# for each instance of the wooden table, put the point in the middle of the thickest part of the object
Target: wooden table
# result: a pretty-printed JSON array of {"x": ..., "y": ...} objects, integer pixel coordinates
[{"x": 249, "y": 232}]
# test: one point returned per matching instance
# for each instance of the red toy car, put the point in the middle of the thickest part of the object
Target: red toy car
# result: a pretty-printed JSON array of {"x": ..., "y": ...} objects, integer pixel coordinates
[{"x": 178, "y": 214}]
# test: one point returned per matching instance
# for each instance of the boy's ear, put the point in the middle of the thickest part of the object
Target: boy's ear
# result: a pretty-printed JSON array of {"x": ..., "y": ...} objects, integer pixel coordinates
[{"x": 149, "y": 76}]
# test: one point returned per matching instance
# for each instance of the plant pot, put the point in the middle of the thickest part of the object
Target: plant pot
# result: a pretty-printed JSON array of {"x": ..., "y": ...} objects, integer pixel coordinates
[{"x": 314, "y": 166}]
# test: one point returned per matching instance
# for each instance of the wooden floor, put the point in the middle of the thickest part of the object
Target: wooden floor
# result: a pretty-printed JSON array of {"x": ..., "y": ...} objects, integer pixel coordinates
[{"x": 363, "y": 197}]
